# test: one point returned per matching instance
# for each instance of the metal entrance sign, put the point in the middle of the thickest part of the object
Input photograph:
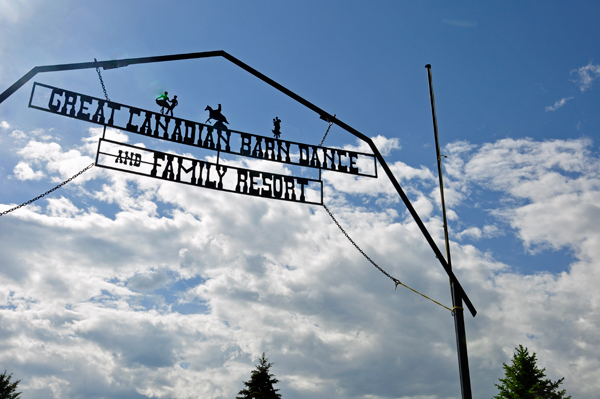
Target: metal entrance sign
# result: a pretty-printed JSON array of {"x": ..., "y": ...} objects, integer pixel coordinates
[
  {"x": 195, "y": 172},
  {"x": 156, "y": 125},
  {"x": 92, "y": 109}
]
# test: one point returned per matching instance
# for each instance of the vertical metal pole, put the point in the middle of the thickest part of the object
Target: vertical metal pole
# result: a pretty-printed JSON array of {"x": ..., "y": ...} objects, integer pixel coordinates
[{"x": 459, "y": 319}]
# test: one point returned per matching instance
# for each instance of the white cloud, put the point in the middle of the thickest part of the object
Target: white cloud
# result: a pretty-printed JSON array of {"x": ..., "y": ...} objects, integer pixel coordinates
[
  {"x": 586, "y": 75},
  {"x": 491, "y": 231},
  {"x": 376, "y": 187},
  {"x": 24, "y": 172},
  {"x": 472, "y": 232},
  {"x": 476, "y": 233},
  {"x": 550, "y": 192},
  {"x": 18, "y": 134},
  {"x": 60, "y": 164},
  {"x": 37, "y": 133},
  {"x": 558, "y": 104},
  {"x": 4, "y": 125},
  {"x": 528, "y": 169},
  {"x": 383, "y": 144},
  {"x": 180, "y": 290}
]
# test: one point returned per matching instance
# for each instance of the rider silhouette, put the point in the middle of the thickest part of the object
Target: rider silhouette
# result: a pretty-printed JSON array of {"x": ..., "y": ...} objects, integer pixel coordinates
[
  {"x": 174, "y": 103},
  {"x": 277, "y": 130},
  {"x": 163, "y": 101}
]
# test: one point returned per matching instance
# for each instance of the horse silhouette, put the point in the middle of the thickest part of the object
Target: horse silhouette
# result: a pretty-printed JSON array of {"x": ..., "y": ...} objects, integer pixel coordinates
[{"x": 215, "y": 114}]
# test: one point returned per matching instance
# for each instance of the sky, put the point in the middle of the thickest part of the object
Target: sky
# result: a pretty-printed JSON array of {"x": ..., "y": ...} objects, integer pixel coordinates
[{"x": 124, "y": 286}]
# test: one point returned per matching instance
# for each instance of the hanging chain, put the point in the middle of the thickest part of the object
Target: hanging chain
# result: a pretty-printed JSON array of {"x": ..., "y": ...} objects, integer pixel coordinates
[
  {"x": 101, "y": 81},
  {"x": 329, "y": 127},
  {"x": 47, "y": 192},
  {"x": 395, "y": 280},
  {"x": 72, "y": 177}
]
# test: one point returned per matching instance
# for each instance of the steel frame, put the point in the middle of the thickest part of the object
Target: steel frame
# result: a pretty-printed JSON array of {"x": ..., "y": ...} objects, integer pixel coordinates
[{"x": 458, "y": 292}]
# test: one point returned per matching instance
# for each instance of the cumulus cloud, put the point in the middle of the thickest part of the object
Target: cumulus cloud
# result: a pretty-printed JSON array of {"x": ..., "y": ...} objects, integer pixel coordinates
[
  {"x": 383, "y": 144},
  {"x": 586, "y": 75},
  {"x": 18, "y": 134},
  {"x": 24, "y": 172},
  {"x": 558, "y": 104},
  {"x": 60, "y": 164},
  {"x": 549, "y": 194},
  {"x": 476, "y": 233},
  {"x": 175, "y": 291}
]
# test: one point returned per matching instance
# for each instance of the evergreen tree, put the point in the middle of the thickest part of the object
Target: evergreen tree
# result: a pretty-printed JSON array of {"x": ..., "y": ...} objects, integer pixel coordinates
[
  {"x": 523, "y": 380},
  {"x": 8, "y": 389},
  {"x": 261, "y": 383}
]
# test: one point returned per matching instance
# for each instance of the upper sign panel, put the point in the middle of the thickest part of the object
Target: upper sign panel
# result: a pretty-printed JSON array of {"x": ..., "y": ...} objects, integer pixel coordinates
[{"x": 218, "y": 138}]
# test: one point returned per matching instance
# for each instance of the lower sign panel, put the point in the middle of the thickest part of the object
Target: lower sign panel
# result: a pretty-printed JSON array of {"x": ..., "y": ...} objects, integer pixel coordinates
[{"x": 194, "y": 172}]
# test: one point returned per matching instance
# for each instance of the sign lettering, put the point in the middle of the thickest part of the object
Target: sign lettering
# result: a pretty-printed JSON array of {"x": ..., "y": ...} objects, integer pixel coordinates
[
  {"x": 195, "y": 172},
  {"x": 156, "y": 125}
]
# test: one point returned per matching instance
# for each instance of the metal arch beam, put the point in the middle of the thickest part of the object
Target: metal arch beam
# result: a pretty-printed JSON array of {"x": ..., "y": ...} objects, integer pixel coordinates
[
  {"x": 324, "y": 115},
  {"x": 104, "y": 65}
]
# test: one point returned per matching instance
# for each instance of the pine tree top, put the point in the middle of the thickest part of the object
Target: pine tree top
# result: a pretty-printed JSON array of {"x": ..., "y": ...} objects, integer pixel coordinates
[
  {"x": 524, "y": 380},
  {"x": 261, "y": 383},
  {"x": 8, "y": 390}
]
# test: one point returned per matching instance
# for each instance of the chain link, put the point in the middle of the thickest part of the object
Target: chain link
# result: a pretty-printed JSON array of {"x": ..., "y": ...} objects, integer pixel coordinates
[
  {"x": 101, "y": 81},
  {"x": 395, "y": 280},
  {"x": 47, "y": 192},
  {"x": 329, "y": 127},
  {"x": 71, "y": 178}
]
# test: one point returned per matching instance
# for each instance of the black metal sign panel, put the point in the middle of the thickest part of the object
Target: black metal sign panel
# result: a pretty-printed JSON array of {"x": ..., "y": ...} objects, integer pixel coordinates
[
  {"x": 157, "y": 125},
  {"x": 180, "y": 169}
]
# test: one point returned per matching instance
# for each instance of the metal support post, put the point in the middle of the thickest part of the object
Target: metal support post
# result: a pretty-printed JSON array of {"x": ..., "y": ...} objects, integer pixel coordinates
[{"x": 458, "y": 312}]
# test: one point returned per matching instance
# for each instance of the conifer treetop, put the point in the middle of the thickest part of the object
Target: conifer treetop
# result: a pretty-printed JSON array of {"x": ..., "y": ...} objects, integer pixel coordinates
[
  {"x": 261, "y": 383},
  {"x": 8, "y": 390},
  {"x": 524, "y": 380}
]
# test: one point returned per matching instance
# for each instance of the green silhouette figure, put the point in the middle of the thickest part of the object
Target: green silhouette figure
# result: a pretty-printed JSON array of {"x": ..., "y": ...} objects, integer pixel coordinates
[{"x": 163, "y": 101}]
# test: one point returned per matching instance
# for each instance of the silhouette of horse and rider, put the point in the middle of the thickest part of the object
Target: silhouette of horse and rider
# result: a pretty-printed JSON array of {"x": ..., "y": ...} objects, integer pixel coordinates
[
  {"x": 163, "y": 101},
  {"x": 217, "y": 116}
]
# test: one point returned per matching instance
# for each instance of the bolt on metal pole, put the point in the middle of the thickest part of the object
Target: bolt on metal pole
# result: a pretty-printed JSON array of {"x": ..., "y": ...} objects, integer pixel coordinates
[{"x": 458, "y": 312}]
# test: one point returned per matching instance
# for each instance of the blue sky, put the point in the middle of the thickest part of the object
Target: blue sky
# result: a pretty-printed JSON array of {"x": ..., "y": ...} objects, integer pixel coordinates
[{"x": 123, "y": 286}]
